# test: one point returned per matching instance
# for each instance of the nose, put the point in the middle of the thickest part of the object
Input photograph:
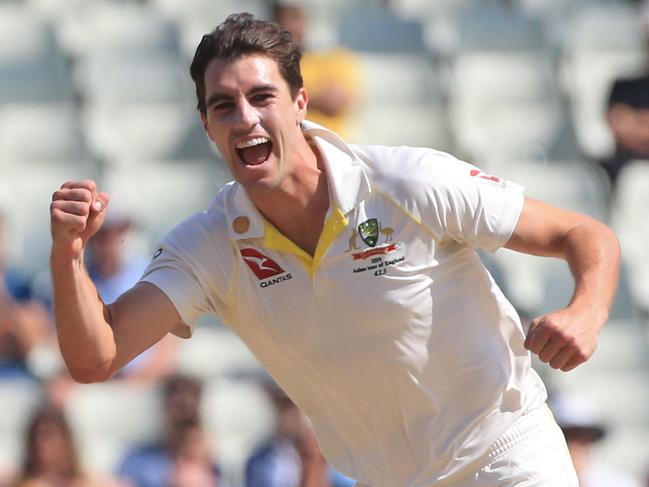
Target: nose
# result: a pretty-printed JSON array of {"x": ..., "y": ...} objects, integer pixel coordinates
[{"x": 246, "y": 115}]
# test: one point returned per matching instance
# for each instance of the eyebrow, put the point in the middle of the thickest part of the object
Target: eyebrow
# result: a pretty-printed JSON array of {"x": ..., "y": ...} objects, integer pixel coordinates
[{"x": 217, "y": 96}]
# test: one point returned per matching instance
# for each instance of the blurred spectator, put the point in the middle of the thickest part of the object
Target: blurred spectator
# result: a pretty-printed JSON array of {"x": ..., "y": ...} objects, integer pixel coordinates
[
  {"x": 50, "y": 454},
  {"x": 583, "y": 429},
  {"x": 292, "y": 458},
  {"x": 331, "y": 77},
  {"x": 24, "y": 322},
  {"x": 181, "y": 458},
  {"x": 628, "y": 115}
]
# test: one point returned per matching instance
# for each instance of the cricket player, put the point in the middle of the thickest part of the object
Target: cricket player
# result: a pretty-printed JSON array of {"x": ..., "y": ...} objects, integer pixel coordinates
[{"x": 350, "y": 272}]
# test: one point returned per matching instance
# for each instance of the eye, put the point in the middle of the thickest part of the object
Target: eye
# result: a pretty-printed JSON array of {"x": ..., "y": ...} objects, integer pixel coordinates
[
  {"x": 223, "y": 106},
  {"x": 261, "y": 97}
]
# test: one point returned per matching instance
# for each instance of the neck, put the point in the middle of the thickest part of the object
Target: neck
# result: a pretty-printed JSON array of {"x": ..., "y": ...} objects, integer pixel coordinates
[
  {"x": 297, "y": 207},
  {"x": 301, "y": 190}
]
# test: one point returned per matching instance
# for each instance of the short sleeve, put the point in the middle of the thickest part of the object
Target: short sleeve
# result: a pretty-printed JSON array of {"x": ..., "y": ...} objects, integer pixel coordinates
[
  {"x": 467, "y": 205},
  {"x": 454, "y": 200},
  {"x": 188, "y": 266},
  {"x": 168, "y": 272}
]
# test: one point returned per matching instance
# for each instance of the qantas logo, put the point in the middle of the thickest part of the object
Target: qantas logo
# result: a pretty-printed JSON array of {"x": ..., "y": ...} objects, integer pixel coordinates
[
  {"x": 476, "y": 173},
  {"x": 262, "y": 266}
]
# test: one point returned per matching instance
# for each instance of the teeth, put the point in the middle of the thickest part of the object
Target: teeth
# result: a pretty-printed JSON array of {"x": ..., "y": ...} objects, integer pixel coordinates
[{"x": 252, "y": 142}]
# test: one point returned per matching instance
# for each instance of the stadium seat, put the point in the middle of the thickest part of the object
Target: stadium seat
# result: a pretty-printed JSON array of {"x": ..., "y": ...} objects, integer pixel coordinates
[
  {"x": 509, "y": 77},
  {"x": 627, "y": 448},
  {"x": 154, "y": 131},
  {"x": 612, "y": 26},
  {"x": 575, "y": 185},
  {"x": 116, "y": 27},
  {"x": 402, "y": 102},
  {"x": 425, "y": 9},
  {"x": 516, "y": 131},
  {"x": 591, "y": 63},
  {"x": 56, "y": 128},
  {"x": 552, "y": 8},
  {"x": 19, "y": 398},
  {"x": 117, "y": 80},
  {"x": 589, "y": 78},
  {"x": 558, "y": 286},
  {"x": 611, "y": 396},
  {"x": 412, "y": 124},
  {"x": 198, "y": 17},
  {"x": 32, "y": 69},
  {"x": 379, "y": 30},
  {"x": 612, "y": 389},
  {"x": 161, "y": 195},
  {"x": 391, "y": 78},
  {"x": 486, "y": 84},
  {"x": 216, "y": 352},
  {"x": 493, "y": 27},
  {"x": 629, "y": 219},
  {"x": 130, "y": 414},
  {"x": 238, "y": 416},
  {"x": 113, "y": 84},
  {"x": 53, "y": 10},
  {"x": 28, "y": 196},
  {"x": 323, "y": 19},
  {"x": 617, "y": 335},
  {"x": 214, "y": 12}
]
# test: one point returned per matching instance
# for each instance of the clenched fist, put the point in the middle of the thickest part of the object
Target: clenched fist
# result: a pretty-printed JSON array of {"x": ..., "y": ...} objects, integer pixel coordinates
[
  {"x": 77, "y": 211},
  {"x": 565, "y": 338}
]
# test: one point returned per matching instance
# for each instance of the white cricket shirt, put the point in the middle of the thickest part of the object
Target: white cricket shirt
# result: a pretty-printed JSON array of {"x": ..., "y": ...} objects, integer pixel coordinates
[{"x": 392, "y": 338}]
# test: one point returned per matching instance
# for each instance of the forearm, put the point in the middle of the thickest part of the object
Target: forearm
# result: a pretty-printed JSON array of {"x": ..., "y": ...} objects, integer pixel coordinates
[
  {"x": 593, "y": 254},
  {"x": 85, "y": 336},
  {"x": 315, "y": 473},
  {"x": 314, "y": 466},
  {"x": 567, "y": 337}
]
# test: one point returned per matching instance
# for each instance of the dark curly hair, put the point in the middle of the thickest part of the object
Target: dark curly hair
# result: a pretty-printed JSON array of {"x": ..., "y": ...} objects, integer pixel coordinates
[{"x": 241, "y": 34}]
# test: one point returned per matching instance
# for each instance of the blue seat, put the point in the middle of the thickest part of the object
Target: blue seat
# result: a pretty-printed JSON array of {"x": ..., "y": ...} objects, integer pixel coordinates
[{"x": 379, "y": 30}]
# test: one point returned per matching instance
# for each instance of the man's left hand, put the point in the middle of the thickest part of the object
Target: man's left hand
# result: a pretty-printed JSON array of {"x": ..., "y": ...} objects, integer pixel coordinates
[{"x": 564, "y": 339}]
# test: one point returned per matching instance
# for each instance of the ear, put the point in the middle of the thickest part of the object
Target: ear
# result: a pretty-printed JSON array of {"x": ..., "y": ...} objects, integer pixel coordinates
[
  {"x": 205, "y": 126},
  {"x": 301, "y": 101}
]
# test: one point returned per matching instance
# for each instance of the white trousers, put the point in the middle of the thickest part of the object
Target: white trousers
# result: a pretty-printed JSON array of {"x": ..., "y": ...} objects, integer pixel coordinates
[{"x": 531, "y": 453}]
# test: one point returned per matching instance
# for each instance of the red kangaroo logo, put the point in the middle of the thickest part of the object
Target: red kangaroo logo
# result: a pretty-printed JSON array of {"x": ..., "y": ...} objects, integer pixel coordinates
[
  {"x": 481, "y": 175},
  {"x": 262, "y": 266}
]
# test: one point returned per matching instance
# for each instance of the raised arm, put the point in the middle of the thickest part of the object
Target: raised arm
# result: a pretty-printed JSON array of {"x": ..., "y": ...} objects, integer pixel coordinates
[
  {"x": 96, "y": 340},
  {"x": 567, "y": 337}
]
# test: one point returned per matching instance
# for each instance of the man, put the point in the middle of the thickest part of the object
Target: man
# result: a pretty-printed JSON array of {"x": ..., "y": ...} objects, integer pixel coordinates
[
  {"x": 627, "y": 115},
  {"x": 350, "y": 272},
  {"x": 331, "y": 76},
  {"x": 628, "y": 118},
  {"x": 24, "y": 320},
  {"x": 181, "y": 457},
  {"x": 292, "y": 456}
]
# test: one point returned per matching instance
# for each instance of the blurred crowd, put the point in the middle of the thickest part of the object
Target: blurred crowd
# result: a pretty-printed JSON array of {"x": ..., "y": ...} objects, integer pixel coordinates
[{"x": 553, "y": 94}]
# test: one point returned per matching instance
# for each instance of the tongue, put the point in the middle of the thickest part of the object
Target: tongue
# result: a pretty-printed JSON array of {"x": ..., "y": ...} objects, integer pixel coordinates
[{"x": 256, "y": 154}]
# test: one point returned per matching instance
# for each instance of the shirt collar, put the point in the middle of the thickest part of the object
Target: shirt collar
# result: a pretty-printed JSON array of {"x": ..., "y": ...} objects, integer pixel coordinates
[
  {"x": 348, "y": 184},
  {"x": 239, "y": 208}
]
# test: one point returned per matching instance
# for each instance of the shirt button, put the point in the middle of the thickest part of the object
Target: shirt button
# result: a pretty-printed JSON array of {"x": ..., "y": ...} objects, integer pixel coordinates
[{"x": 241, "y": 224}]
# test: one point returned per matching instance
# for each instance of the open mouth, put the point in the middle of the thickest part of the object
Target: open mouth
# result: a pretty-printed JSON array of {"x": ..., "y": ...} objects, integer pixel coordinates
[{"x": 254, "y": 151}]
